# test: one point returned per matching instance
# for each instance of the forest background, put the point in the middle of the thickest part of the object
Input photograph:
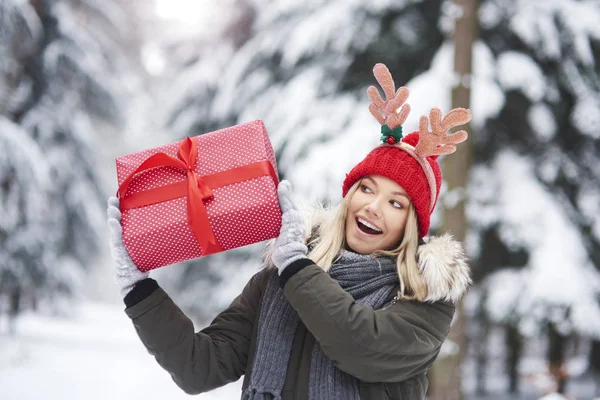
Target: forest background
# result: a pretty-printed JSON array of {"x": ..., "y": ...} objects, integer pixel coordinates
[{"x": 85, "y": 81}]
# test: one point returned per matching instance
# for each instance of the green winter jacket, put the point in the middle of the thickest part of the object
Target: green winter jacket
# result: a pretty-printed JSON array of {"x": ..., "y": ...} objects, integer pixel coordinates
[{"x": 389, "y": 350}]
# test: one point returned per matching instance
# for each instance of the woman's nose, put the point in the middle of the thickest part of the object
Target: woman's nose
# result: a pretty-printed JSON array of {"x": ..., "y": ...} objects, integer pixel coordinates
[{"x": 374, "y": 208}]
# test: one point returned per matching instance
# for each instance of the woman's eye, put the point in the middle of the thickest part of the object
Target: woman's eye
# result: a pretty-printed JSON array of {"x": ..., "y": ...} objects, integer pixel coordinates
[
  {"x": 366, "y": 189},
  {"x": 396, "y": 204}
]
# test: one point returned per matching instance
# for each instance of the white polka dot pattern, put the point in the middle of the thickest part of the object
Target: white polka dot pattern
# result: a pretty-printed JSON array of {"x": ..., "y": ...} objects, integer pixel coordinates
[{"x": 239, "y": 214}]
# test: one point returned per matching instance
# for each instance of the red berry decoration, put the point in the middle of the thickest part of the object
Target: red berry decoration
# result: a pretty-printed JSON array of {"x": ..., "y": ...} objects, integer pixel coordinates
[{"x": 391, "y": 140}]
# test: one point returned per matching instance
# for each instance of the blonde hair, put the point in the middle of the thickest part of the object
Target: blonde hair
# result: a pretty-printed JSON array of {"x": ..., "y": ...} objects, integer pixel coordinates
[{"x": 330, "y": 238}]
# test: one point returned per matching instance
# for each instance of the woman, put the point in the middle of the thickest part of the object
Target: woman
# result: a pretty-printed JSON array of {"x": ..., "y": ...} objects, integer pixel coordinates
[{"x": 357, "y": 310}]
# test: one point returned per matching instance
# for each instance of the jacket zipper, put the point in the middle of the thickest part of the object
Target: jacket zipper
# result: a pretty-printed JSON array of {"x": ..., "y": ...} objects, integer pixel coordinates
[{"x": 391, "y": 303}]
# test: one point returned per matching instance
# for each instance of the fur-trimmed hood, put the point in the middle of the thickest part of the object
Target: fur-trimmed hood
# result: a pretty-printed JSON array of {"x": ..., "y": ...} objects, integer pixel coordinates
[
  {"x": 444, "y": 267},
  {"x": 442, "y": 262}
]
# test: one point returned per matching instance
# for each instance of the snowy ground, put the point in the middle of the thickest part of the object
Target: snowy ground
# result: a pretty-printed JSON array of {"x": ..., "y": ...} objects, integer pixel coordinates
[{"x": 94, "y": 356}]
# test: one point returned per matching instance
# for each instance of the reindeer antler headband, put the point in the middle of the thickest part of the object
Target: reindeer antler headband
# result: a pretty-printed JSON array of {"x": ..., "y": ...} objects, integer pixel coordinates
[{"x": 391, "y": 113}]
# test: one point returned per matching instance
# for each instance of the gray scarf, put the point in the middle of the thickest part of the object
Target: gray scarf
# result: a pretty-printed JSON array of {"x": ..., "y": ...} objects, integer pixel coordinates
[{"x": 370, "y": 281}]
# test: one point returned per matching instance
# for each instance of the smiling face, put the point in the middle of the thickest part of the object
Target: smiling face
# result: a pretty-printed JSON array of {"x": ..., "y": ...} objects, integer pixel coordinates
[{"x": 377, "y": 214}]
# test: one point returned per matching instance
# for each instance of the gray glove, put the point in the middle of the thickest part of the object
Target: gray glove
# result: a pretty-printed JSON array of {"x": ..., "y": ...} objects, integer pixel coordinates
[
  {"x": 290, "y": 245},
  {"x": 127, "y": 273}
]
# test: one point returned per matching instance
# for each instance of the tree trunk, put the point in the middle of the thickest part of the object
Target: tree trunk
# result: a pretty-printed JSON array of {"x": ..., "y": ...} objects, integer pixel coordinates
[
  {"x": 514, "y": 346},
  {"x": 556, "y": 358},
  {"x": 14, "y": 304},
  {"x": 446, "y": 377},
  {"x": 594, "y": 362},
  {"x": 481, "y": 354}
]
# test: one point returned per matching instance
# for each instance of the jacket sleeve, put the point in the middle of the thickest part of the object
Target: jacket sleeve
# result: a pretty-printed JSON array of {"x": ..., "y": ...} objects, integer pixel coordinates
[
  {"x": 386, "y": 345},
  {"x": 202, "y": 361}
]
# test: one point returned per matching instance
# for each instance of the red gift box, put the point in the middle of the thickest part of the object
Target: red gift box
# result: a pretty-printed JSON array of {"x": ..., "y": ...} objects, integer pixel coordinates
[{"x": 199, "y": 196}]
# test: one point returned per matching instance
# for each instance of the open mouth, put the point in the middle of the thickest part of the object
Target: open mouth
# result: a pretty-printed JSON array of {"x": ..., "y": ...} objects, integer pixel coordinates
[{"x": 367, "y": 227}]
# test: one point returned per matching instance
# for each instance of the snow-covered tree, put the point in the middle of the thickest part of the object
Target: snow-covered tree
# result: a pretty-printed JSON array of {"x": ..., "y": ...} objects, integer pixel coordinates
[
  {"x": 536, "y": 188},
  {"x": 62, "y": 90},
  {"x": 26, "y": 255},
  {"x": 534, "y": 192},
  {"x": 195, "y": 65}
]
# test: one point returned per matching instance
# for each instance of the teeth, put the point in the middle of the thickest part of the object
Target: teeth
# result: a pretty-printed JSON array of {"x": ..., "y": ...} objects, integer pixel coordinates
[{"x": 369, "y": 225}]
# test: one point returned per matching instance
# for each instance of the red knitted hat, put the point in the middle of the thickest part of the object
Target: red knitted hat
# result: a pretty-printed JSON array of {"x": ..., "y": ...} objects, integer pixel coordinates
[{"x": 411, "y": 161}]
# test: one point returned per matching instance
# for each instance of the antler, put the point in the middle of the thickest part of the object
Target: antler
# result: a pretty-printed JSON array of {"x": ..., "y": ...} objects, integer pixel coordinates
[
  {"x": 386, "y": 111},
  {"x": 437, "y": 142}
]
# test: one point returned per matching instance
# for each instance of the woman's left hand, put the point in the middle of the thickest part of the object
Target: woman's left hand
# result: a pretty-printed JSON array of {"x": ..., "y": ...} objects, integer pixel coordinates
[{"x": 290, "y": 245}]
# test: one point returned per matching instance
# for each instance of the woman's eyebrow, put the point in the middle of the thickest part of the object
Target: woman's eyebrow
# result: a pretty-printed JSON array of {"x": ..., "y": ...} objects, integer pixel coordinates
[
  {"x": 393, "y": 193},
  {"x": 372, "y": 180}
]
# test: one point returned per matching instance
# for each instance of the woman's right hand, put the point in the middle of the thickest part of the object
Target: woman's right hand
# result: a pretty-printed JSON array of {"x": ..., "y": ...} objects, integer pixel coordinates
[
  {"x": 290, "y": 245},
  {"x": 127, "y": 273}
]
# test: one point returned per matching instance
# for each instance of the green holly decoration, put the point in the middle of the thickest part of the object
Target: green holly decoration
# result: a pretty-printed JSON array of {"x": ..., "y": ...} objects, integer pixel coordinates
[{"x": 391, "y": 136}]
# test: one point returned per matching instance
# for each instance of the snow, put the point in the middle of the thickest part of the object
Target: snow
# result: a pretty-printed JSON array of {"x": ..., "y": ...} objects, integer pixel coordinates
[
  {"x": 536, "y": 22},
  {"x": 518, "y": 71},
  {"x": 582, "y": 18},
  {"x": 202, "y": 14},
  {"x": 433, "y": 88},
  {"x": 501, "y": 304},
  {"x": 95, "y": 355},
  {"x": 586, "y": 115},
  {"x": 541, "y": 119},
  {"x": 490, "y": 14},
  {"x": 535, "y": 26},
  {"x": 23, "y": 228},
  {"x": 588, "y": 201},
  {"x": 452, "y": 198},
  {"x": 305, "y": 40},
  {"x": 341, "y": 152},
  {"x": 554, "y": 396},
  {"x": 21, "y": 150},
  {"x": 559, "y": 274},
  {"x": 21, "y": 12}
]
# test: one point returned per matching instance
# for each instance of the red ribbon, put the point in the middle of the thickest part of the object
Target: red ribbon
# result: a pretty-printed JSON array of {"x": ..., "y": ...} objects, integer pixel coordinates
[{"x": 197, "y": 188}]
